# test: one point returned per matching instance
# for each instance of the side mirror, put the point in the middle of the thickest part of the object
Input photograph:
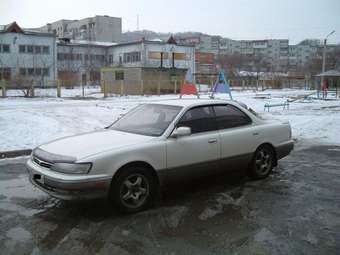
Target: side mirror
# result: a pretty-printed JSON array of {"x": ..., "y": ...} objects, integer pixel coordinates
[{"x": 181, "y": 131}]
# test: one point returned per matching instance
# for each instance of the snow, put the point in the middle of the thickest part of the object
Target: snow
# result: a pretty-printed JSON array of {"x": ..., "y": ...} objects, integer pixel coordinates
[{"x": 26, "y": 122}]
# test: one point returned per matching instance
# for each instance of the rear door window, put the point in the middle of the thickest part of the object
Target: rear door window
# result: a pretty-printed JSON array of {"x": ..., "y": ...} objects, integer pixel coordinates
[{"x": 229, "y": 116}]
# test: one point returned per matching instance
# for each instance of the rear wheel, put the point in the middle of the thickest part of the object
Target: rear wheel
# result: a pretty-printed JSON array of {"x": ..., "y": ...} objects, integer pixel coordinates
[
  {"x": 134, "y": 189},
  {"x": 262, "y": 163}
]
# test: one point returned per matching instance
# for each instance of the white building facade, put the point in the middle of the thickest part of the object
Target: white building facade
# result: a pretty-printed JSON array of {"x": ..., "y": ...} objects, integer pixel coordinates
[
  {"x": 153, "y": 55},
  {"x": 28, "y": 56}
]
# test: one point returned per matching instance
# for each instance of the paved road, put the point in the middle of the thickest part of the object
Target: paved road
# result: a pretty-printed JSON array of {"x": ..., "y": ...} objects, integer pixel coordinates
[{"x": 295, "y": 211}]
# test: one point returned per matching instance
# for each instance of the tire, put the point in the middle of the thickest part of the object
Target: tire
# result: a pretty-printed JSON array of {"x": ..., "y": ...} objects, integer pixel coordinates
[
  {"x": 134, "y": 189},
  {"x": 262, "y": 163}
]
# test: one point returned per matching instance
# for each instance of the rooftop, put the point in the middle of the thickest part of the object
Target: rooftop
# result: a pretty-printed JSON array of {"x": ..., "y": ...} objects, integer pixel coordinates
[
  {"x": 84, "y": 42},
  {"x": 15, "y": 28}
]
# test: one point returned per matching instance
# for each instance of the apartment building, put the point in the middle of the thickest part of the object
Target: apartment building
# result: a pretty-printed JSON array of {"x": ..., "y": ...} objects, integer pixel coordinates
[
  {"x": 301, "y": 53},
  {"x": 202, "y": 43},
  {"x": 27, "y": 56},
  {"x": 97, "y": 28},
  {"x": 273, "y": 53}
]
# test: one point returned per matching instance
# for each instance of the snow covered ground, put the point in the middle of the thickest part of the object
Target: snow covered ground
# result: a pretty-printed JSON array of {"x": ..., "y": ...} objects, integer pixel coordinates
[{"x": 26, "y": 122}]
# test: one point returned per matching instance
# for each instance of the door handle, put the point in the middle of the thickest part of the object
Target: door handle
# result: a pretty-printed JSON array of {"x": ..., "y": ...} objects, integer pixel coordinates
[
  {"x": 212, "y": 140},
  {"x": 255, "y": 133}
]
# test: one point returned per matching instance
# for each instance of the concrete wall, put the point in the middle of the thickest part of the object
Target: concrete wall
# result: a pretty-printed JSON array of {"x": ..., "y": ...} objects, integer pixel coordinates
[
  {"x": 139, "y": 81},
  {"x": 108, "y": 29}
]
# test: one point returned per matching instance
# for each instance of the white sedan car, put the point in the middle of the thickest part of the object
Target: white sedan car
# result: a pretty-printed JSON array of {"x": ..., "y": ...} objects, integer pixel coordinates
[{"x": 129, "y": 161}]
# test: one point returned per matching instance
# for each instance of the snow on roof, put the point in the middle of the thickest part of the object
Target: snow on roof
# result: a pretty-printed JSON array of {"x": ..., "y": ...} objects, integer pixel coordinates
[
  {"x": 93, "y": 42},
  {"x": 86, "y": 42},
  {"x": 262, "y": 74},
  {"x": 156, "y": 40},
  {"x": 334, "y": 73}
]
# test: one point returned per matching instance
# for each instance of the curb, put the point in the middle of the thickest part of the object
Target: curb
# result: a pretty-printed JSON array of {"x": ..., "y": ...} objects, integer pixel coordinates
[{"x": 14, "y": 154}]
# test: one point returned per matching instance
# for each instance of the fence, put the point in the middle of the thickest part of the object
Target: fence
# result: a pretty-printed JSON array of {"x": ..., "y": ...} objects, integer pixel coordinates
[
  {"x": 68, "y": 89},
  {"x": 51, "y": 88},
  {"x": 140, "y": 87}
]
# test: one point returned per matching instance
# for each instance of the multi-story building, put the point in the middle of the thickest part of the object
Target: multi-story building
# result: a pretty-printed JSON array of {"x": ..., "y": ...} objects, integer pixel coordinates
[
  {"x": 97, "y": 28},
  {"x": 272, "y": 53},
  {"x": 301, "y": 53},
  {"x": 202, "y": 43},
  {"x": 27, "y": 56},
  {"x": 205, "y": 63}
]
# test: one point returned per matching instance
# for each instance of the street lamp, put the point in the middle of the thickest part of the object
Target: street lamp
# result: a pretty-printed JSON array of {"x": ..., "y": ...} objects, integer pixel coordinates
[{"x": 324, "y": 55}]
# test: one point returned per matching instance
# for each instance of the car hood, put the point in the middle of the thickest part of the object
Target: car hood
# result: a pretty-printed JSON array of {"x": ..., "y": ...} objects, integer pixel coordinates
[{"x": 84, "y": 145}]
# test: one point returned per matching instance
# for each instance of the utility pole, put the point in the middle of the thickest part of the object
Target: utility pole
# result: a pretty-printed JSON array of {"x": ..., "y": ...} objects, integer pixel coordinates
[{"x": 324, "y": 57}]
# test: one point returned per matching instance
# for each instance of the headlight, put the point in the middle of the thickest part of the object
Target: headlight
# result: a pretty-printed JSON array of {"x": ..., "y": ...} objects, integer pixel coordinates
[{"x": 72, "y": 168}]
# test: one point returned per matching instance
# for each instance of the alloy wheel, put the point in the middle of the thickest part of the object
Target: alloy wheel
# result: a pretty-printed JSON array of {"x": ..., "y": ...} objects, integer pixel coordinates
[
  {"x": 134, "y": 190},
  {"x": 263, "y": 162}
]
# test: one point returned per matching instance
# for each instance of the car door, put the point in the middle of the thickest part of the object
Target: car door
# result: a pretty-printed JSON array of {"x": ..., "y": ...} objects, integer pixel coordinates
[
  {"x": 239, "y": 138},
  {"x": 198, "y": 153}
]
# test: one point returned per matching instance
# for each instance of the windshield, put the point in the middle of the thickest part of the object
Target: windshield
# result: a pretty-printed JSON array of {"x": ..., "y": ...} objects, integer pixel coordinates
[{"x": 148, "y": 119}]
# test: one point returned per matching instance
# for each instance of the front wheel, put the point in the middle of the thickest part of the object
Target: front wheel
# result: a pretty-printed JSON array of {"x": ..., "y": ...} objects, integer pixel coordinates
[
  {"x": 134, "y": 189},
  {"x": 262, "y": 163}
]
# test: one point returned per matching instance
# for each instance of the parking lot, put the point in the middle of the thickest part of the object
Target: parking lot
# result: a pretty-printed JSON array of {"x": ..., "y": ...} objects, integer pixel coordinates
[{"x": 295, "y": 211}]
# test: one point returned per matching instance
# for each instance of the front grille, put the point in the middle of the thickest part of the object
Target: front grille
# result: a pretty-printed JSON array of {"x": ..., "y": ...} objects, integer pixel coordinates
[{"x": 42, "y": 162}]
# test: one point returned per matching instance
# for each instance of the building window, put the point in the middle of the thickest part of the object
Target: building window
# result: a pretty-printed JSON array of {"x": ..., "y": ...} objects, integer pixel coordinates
[
  {"x": 119, "y": 75},
  {"x": 100, "y": 58},
  {"x": 37, "y": 49},
  {"x": 38, "y": 71},
  {"x": 110, "y": 59},
  {"x": 46, "y": 71},
  {"x": 180, "y": 56},
  {"x": 60, "y": 56},
  {"x": 158, "y": 55},
  {"x": 23, "y": 71},
  {"x": 29, "y": 48},
  {"x": 22, "y": 48},
  {"x": 131, "y": 57},
  {"x": 5, "y": 73},
  {"x": 5, "y": 48},
  {"x": 46, "y": 49},
  {"x": 30, "y": 71}
]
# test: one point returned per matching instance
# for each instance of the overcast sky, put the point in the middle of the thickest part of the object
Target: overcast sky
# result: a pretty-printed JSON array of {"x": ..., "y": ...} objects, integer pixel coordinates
[{"x": 236, "y": 19}]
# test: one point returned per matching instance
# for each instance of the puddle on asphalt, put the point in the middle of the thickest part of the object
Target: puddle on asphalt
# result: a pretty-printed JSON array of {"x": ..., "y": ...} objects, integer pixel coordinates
[
  {"x": 14, "y": 194},
  {"x": 19, "y": 234},
  {"x": 19, "y": 187}
]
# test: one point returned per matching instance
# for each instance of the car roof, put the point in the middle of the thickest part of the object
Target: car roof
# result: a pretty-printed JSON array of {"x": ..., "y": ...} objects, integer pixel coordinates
[{"x": 192, "y": 102}]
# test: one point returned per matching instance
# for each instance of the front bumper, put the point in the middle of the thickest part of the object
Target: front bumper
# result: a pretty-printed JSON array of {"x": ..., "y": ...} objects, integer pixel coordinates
[{"x": 68, "y": 186}]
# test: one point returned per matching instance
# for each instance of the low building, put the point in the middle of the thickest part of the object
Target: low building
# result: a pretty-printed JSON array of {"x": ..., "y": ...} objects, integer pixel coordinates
[
  {"x": 80, "y": 61},
  {"x": 148, "y": 67},
  {"x": 27, "y": 56}
]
